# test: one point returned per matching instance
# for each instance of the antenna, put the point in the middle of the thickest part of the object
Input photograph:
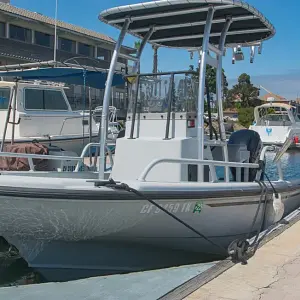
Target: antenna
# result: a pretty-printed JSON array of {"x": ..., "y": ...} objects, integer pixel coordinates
[
  {"x": 55, "y": 32},
  {"x": 252, "y": 54},
  {"x": 260, "y": 48}
]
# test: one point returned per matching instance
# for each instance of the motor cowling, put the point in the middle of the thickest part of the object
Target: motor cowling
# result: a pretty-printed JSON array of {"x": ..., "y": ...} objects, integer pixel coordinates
[{"x": 251, "y": 139}]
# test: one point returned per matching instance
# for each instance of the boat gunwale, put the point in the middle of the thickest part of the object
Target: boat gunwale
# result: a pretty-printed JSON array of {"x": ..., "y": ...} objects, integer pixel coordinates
[{"x": 161, "y": 193}]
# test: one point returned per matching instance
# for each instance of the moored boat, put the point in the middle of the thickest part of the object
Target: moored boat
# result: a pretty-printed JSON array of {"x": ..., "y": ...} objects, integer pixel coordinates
[
  {"x": 275, "y": 122},
  {"x": 34, "y": 105},
  {"x": 165, "y": 200}
]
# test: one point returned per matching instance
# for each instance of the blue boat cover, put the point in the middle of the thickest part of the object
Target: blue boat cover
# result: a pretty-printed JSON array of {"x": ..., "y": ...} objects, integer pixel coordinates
[{"x": 94, "y": 79}]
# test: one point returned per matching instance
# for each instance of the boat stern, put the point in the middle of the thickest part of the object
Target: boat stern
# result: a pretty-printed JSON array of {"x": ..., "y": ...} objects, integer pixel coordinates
[{"x": 272, "y": 135}]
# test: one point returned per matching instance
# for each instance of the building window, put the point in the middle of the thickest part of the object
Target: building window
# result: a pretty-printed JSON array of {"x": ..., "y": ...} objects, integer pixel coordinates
[
  {"x": 85, "y": 49},
  {"x": 2, "y": 29},
  {"x": 36, "y": 99},
  {"x": 103, "y": 54},
  {"x": 44, "y": 39},
  {"x": 20, "y": 33},
  {"x": 4, "y": 98},
  {"x": 67, "y": 45}
]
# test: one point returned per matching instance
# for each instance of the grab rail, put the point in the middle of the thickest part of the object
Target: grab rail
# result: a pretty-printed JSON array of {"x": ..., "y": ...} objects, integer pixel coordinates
[
  {"x": 70, "y": 118},
  {"x": 94, "y": 145},
  {"x": 278, "y": 164},
  {"x": 211, "y": 164},
  {"x": 79, "y": 159},
  {"x": 30, "y": 157}
]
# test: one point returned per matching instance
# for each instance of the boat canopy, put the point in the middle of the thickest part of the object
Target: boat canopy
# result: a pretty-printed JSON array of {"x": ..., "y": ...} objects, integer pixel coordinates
[
  {"x": 181, "y": 23},
  {"x": 260, "y": 112},
  {"x": 77, "y": 76},
  {"x": 201, "y": 26},
  {"x": 271, "y": 105}
]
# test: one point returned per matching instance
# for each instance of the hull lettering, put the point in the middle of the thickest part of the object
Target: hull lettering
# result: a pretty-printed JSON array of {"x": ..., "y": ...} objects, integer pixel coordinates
[{"x": 171, "y": 207}]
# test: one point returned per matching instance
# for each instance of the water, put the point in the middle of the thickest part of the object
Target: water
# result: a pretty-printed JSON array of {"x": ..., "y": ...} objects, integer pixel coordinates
[
  {"x": 290, "y": 163},
  {"x": 18, "y": 273}
]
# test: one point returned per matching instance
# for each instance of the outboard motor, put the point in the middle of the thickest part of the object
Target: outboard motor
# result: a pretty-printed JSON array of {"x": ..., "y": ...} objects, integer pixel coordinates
[{"x": 251, "y": 139}]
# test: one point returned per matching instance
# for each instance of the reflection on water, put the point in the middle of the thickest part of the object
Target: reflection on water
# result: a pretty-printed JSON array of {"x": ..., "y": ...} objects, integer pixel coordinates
[
  {"x": 16, "y": 272},
  {"x": 290, "y": 163}
]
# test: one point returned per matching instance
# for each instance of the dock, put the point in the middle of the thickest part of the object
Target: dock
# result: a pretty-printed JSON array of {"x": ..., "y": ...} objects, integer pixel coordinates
[
  {"x": 272, "y": 273},
  {"x": 147, "y": 285}
]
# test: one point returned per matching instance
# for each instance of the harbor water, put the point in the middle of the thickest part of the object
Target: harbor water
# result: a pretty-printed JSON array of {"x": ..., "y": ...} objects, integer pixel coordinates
[{"x": 16, "y": 272}]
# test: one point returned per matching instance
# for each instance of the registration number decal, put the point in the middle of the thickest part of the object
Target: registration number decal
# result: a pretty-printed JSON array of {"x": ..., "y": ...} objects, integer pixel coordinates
[
  {"x": 198, "y": 207},
  {"x": 170, "y": 207}
]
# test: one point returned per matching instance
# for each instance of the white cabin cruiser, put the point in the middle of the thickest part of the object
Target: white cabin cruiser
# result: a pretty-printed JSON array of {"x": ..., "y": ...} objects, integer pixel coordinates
[
  {"x": 40, "y": 111},
  {"x": 165, "y": 202},
  {"x": 275, "y": 122},
  {"x": 114, "y": 126}
]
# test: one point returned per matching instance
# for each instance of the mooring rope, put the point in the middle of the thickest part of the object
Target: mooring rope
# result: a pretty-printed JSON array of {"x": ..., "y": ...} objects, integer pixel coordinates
[
  {"x": 238, "y": 250},
  {"x": 123, "y": 186}
]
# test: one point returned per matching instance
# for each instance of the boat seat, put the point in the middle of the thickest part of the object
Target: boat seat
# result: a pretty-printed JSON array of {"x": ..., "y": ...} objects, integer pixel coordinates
[{"x": 250, "y": 139}]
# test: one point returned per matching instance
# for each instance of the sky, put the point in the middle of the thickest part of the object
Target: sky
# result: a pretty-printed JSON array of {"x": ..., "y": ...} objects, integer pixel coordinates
[{"x": 277, "y": 68}]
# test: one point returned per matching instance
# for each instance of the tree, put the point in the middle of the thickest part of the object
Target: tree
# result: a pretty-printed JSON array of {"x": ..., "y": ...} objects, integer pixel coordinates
[
  {"x": 247, "y": 94},
  {"x": 244, "y": 91},
  {"x": 155, "y": 59},
  {"x": 211, "y": 88},
  {"x": 246, "y": 116},
  {"x": 137, "y": 45},
  {"x": 211, "y": 80},
  {"x": 211, "y": 77}
]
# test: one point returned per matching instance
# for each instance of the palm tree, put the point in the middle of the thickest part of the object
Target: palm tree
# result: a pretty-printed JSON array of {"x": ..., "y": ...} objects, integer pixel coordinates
[
  {"x": 155, "y": 59},
  {"x": 137, "y": 45}
]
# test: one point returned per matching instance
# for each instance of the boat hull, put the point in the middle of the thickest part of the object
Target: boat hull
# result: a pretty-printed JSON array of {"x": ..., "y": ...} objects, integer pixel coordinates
[
  {"x": 277, "y": 135},
  {"x": 123, "y": 233}
]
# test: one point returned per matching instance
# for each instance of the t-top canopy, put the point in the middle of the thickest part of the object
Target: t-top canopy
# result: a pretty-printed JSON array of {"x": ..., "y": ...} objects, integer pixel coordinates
[
  {"x": 95, "y": 79},
  {"x": 181, "y": 23}
]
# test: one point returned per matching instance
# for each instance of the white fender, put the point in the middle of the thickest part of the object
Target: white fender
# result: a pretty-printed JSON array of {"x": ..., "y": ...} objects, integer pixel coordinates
[{"x": 278, "y": 207}]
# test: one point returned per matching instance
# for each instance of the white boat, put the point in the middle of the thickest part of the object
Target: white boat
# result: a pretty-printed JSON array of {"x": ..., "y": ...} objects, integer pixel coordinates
[
  {"x": 43, "y": 112},
  {"x": 114, "y": 126},
  {"x": 40, "y": 111},
  {"x": 275, "y": 122},
  {"x": 165, "y": 203}
]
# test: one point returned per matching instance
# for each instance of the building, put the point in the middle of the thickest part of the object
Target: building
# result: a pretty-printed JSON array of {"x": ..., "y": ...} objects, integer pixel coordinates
[
  {"x": 274, "y": 98},
  {"x": 27, "y": 36}
]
